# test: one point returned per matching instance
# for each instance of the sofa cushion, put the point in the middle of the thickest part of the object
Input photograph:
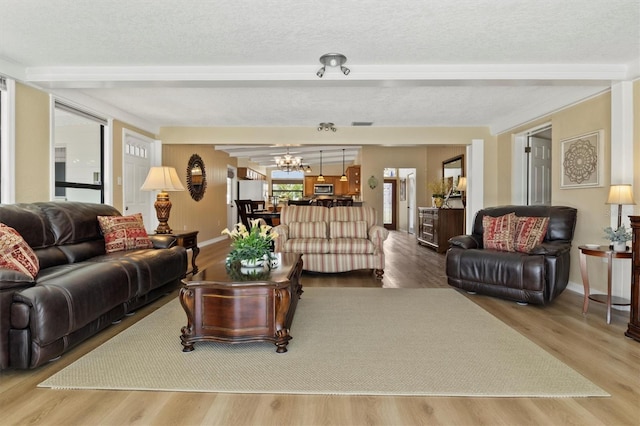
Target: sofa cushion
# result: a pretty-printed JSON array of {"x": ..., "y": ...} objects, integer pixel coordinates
[
  {"x": 351, "y": 229},
  {"x": 530, "y": 232},
  {"x": 351, "y": 246},
  {"x": 15, "y": 253},
  {"x": 499, "y": 232},
  {"x": 307, "y": 245},
  {"x": 307, "y": 230},
  {"x": 124, "y": 233}
]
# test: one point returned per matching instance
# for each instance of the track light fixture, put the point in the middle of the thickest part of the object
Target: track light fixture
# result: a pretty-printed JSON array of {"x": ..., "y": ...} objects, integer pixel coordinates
[
  {"x": 326, "y": 127},
  {"x": 333, "y": 60}
]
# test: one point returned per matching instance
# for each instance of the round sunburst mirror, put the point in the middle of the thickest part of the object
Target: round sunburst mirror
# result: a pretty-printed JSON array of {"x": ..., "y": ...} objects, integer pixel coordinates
[{"x": 196, "y": 177}]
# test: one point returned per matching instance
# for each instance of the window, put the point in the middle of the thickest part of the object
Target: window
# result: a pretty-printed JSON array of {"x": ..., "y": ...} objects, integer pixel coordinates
[
  {"x": 79, "y": 144},
  {"x": 287, "y": 185}
]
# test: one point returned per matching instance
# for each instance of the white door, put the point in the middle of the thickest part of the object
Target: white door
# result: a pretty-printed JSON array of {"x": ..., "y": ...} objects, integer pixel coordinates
[
  {"x": 136, "y": 165},
  {"x": 539, "y": 171},
  {"x": 411, "y": 200},
  {"x": 232, "y": 185}
]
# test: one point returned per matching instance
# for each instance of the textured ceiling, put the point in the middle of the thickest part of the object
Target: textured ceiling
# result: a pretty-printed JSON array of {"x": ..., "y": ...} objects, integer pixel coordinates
[{"x": 493, "y": 63}]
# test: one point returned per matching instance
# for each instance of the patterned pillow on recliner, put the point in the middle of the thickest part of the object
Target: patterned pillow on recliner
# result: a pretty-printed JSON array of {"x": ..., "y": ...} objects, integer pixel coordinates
[
  {"x": 498, "y": 232},
  {"x": 15, "y": 253},
  {"x": 530, "y": 232}
]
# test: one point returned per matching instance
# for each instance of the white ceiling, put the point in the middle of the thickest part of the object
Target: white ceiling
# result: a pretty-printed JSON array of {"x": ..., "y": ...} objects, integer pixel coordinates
[{"x": 493, "y": 63}]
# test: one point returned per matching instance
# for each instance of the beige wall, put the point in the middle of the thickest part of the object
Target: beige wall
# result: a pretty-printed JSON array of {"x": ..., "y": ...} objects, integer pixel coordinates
[
  {"x": 209, "y": 215},
  {"x": 310, "y": 136},
  {"x": 33, "y": 136},
  {"x": 593, "y": 214},
  {"x": 32, "y": 166},
  {"x": 427, "y": 160}
]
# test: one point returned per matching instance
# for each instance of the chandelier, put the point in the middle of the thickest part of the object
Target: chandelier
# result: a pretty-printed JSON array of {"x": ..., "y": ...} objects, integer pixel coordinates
[{"x": 288, "y": 163}]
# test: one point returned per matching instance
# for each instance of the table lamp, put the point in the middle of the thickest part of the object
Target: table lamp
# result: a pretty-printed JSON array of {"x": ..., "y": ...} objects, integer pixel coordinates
[
  {"x": 462, "y": 187},
  {"x": 620, "y": 194},
  {"x": 163, "y": 179}
]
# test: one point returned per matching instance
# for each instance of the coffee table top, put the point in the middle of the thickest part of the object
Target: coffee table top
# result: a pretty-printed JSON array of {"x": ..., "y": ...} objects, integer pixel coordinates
[{"x": 218, "y": 273}]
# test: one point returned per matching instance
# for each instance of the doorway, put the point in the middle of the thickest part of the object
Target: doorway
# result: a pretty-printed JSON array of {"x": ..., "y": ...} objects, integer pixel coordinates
[
  {"x": 137, "y": 152},
  {"x": 232, "y": 191},
  {"x": 531, "y": 175},
  {"x": 390, "y": 204}
]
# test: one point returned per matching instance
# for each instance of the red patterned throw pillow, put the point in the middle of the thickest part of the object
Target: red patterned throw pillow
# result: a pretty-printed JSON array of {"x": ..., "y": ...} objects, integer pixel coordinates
[
  {"x": 15, "y": 253},
  {"x": 530, "y": 232},
  {"x": 124, "y": 233},
  {"x": 498, "y": 232}
]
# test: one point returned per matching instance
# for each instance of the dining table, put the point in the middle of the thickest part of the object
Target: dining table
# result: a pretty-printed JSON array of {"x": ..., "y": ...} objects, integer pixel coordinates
[{"x": 267, "y": 215}]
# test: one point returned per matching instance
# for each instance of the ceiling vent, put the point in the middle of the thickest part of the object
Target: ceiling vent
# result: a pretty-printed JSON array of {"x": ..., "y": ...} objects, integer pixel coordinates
[{"x": 361, "y": 123}]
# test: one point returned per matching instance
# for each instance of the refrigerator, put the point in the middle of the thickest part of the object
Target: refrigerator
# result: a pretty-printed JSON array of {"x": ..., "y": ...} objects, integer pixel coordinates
[{"x": 255, "y": 190}]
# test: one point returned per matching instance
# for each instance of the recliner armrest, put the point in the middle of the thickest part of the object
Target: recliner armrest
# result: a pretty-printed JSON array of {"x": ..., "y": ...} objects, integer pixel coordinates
[
  {"x": 162, "y": 241},
  {"x": 464, "y": 242},
  {"x": 551, "y": 248}
]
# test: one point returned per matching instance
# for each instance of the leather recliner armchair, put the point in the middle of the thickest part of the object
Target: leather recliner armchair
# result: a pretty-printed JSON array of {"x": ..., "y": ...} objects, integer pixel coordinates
[{"x": 535, "y": 277}]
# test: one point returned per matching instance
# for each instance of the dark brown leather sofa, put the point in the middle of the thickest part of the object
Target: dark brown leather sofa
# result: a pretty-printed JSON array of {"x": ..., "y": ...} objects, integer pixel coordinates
[
  {"x": 536, "y": 277},
  {"x": 79, "y": 289}
]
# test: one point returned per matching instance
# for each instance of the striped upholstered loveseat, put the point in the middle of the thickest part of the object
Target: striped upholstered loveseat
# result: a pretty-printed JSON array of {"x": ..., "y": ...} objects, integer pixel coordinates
[{"x": 336, "y": 239}]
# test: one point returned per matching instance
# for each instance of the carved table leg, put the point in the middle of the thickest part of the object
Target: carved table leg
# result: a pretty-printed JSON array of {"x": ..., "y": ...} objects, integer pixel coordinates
[
  {"x": 585, "y": 282},
  {"x": 187, "y": 300},
  {"x": 283, "y": 303}
]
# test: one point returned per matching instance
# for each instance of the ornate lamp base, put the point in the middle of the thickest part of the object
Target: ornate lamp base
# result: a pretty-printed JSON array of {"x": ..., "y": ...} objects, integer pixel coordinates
[{"x": 163, "y": 208}]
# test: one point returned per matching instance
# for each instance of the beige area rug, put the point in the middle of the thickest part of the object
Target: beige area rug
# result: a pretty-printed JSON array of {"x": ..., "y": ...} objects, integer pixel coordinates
[{"x": 346, "y": 341}]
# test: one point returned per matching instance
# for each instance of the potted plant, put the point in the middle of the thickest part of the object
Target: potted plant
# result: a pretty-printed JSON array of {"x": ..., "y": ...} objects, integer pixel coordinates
[
  {"x": 618, "y": 237},
  {"x": 251, "y": 247},
  {"x": 439, "y": 190}
]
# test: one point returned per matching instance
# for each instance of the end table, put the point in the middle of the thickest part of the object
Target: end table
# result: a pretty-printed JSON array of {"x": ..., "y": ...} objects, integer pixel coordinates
[
  {"x": 609, "y": 254},
  {"x": 188, "y": 240}
]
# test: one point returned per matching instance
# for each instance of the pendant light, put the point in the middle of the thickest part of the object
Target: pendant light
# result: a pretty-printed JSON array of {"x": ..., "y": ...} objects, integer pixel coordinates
[
  {"x": 343, "y": 178},
  {"x": 320, "y": 177}
]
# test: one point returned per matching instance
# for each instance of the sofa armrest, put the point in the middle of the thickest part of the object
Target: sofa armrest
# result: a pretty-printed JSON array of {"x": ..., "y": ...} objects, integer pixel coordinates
[
  {"x": 162, "y": 241},
  {"x": 377, "y": 235},
  {"x": 283, "y": 236},
  {"x": 465, "y": 242},
  {"x": 551, "y": 248}
]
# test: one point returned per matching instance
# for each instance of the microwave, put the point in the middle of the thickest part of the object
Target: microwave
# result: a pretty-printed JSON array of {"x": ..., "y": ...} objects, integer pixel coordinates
[{"x": 322, "y": 189}]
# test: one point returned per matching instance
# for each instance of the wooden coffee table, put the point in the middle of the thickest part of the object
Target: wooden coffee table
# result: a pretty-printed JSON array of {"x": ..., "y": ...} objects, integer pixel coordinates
[{"x": 228, "y": 306}]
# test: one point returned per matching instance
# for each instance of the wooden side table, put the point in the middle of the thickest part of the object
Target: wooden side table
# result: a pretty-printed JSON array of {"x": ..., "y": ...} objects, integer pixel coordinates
[
  {"x": 189, "y": 240},
  {"x": 601, "y": 251}
]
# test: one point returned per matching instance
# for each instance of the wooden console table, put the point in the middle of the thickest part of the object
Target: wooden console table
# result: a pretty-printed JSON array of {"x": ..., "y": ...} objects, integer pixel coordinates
[
  {"x": 224, "y": 305},
  {"x": 601, "y": 251},
  {"x": 633, "y": 330},
  {"x": 437, "y": 225}
]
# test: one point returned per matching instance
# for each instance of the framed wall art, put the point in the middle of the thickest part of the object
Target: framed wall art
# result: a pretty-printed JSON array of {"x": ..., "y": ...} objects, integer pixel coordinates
[{"x": 582, "y": 161}]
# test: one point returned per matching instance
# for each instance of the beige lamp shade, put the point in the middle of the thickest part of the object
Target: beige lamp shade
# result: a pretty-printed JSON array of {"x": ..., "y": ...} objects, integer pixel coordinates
[
  {"x": 162, "y": 178},
  {"x": 620, "y": 194},
  {"x": 462, "y": 183}
]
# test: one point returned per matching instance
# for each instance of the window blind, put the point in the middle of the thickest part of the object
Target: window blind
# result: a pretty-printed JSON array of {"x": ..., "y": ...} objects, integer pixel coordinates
[{"x": 85, "y": 114}]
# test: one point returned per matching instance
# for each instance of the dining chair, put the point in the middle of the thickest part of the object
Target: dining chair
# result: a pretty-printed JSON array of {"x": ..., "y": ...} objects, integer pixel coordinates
[
  {"x": 245, "y": 208},
  {"x": 326, "y": 202}
]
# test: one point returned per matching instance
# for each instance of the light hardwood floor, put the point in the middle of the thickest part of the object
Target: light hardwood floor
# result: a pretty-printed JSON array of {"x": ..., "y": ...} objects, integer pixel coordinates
[{"x": 597, "y": 350}]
